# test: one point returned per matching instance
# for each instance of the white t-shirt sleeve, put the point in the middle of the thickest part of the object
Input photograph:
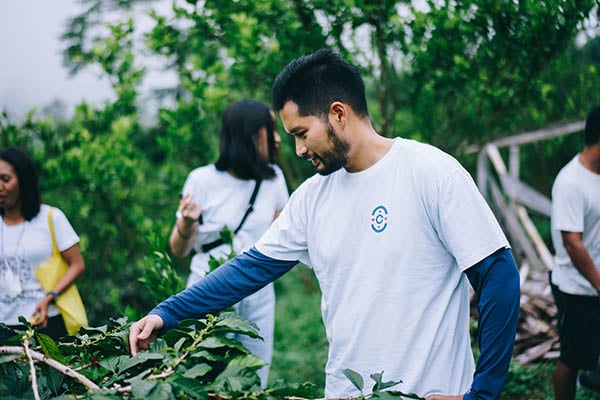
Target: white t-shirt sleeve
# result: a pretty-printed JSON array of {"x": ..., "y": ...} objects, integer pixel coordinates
[
  {"x": 282, "y": 191},
  {"x": 188, "y": 185},
  {"x": 286, "y": 237},
  {"x": 193, "y": 184},
  {"x": 66, "y": 236},
  {"x": 567, "y": 208},
  {"x": 464, "y": 221}
]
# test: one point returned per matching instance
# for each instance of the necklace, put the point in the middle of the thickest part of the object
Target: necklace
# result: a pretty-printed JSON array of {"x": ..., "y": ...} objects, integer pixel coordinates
[
  {"x": 10, "y": 281},
  {"x": 3, "y": 255}
]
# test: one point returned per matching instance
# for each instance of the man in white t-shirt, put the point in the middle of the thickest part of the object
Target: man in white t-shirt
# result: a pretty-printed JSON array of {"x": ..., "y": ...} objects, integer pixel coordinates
[
  {"x": 576, "y": 275},
  {"x": 394, "y": 230}
]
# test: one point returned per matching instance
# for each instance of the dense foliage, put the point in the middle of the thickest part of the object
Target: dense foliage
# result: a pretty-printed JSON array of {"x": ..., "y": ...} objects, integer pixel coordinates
[{"x": 196, "y": 361}]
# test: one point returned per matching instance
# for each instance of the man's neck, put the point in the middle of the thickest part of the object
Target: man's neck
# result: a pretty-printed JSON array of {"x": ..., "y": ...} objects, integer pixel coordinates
[
  {"x": 367, "y": 148},
  {"x": 590, "y": 158}
]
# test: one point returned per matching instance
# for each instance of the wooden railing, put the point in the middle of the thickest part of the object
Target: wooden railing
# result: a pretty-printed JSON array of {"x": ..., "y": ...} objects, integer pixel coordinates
[{"x": 511, "y": 199}]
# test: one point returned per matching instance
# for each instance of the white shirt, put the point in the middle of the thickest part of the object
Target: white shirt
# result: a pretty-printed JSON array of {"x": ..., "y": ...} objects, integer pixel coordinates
[
  {"x": 575, "y": 208},
  {"x": 389, "y": 246},
  {"x": 224, "y": 199},
  {"x": 34, "y": 248}
]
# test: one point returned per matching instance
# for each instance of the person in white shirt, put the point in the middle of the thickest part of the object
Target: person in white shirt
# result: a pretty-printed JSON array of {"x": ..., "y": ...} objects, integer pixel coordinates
[
  {"x": 394, "y": 230},
  {"x": 25, "y": 244},
  {"x": 220, "y": 194},
  {"x": 575, "y": 278}
]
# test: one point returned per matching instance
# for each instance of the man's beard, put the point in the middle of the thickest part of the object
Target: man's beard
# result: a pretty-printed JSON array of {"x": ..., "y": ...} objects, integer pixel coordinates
[{"x": 335, "y": 158}]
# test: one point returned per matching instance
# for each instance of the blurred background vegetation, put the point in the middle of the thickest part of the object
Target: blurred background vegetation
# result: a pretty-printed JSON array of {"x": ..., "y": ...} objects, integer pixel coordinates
[{"x": 455, "y": 74}]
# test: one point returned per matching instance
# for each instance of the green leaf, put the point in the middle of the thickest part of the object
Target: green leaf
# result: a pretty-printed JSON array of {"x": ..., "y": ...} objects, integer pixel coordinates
[
  {"x": 49, "y": 347},
  {"x": 226, "y": 235},
  {"x": 355, "y": 378},
  {"x": 379, "y": 384},
  {"x": 190, "y": 387},
  {"x": 178, "y": 345},
  {"x": 141, "y": 388},
  {"x": 236, "y": 378},
  {"x": 197, "y": 370},
  {"x": 24, "y": 321},
  {"x": 158, "y": 345},
  {"x": 162, "y": 391},
  {"x": 215, "y": 342},
  {"x": 248, "y": 361},
  {"x": 404, "y": 395},
  {"x": 112, "y": 363},
  {"x": 208, "y": 356},
  {"x": 54, "y": 379},
  {"x": 140, "y": 358},
  {"x": 232, "y": 322}
]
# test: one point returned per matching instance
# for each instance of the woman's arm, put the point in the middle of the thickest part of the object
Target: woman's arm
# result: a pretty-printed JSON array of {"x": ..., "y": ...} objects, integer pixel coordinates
[
  {"x": 185, "y": 228},
  {"x": 182, "y": 237},
  {"x": 74, "y": 260}
]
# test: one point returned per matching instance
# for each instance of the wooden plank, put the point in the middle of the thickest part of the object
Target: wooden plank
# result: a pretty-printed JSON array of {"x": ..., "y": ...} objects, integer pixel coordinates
[
  {"x": 513, "y": 162},
  {"x": 496, "y": 159},
  {"x": 530, "y": 137},
  {"x": 537, "y": 240},
  {"x": 523, "y": 194},
  {"x": 542, "y": 134},
  {"x": 513, "y": 227}
]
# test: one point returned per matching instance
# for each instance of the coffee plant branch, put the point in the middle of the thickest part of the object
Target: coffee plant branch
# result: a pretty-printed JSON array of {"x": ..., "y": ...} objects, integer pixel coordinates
[{"x": 64, "y": 369}]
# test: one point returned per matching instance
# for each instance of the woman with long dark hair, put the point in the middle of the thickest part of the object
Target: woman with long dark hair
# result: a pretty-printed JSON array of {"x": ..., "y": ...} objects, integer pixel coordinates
[
  {"x": 219, "y": 195},
  {"x": 26, "y": 243}
]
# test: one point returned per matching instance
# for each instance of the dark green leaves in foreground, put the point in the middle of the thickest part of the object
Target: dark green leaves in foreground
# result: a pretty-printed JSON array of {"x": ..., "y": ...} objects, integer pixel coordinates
[{"x": 197, "y": 360}]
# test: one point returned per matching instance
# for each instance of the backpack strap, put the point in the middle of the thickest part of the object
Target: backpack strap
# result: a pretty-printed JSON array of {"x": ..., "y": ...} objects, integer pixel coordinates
[{"x": 216, "y": 243}]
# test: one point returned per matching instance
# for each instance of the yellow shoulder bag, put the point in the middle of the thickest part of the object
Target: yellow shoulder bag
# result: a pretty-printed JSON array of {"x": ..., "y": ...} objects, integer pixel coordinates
[{"x": 69, "y": 302}]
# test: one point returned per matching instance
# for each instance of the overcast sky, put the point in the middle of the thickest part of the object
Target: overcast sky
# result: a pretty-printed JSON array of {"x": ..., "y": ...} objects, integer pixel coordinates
[{"x": 31, "y": 71}]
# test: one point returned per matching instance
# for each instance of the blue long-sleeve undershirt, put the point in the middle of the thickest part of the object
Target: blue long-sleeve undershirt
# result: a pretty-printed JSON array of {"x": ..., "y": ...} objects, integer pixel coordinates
[
  {"x": 228, "y": 284},
  {"x": 495, "y": 281}
]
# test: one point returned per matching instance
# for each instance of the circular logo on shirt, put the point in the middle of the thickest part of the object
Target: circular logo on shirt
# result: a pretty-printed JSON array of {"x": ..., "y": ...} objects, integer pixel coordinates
[{"x": 379, "y": 219}]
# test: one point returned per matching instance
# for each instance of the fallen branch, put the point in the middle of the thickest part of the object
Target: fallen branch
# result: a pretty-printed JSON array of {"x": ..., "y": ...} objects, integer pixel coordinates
[
  {"x": 64, "y": 369},
  {"x": 34, "y": 385}
]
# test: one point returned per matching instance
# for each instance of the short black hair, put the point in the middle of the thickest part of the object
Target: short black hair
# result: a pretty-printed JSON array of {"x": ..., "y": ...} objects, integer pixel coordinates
[
  {"x": 242, "y": 121},
  {"x": 316, "y": 80},
  {"x": 29, "y": 189},
  {"x": 592, "y": 127}
]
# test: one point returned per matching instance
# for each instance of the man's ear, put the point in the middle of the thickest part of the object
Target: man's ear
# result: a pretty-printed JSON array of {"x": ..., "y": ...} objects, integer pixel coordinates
[{"x": 338, "y": 113}]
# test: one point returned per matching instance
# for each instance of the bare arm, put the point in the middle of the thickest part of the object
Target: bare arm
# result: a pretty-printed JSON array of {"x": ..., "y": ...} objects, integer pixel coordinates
[
  {"x": 74, "y": 260},
  {"x": 581, "y": 258},
  {"x": 185, "y": 228}
]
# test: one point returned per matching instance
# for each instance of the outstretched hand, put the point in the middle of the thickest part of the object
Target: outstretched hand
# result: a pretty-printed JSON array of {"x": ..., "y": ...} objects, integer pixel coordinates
[
  {"x": 141, "y": 333},
  {"x": 443, "y": 397}
]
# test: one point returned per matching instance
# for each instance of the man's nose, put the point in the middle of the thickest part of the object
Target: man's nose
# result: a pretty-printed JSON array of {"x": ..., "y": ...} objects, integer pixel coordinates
[{"x": 300, "y": 147}]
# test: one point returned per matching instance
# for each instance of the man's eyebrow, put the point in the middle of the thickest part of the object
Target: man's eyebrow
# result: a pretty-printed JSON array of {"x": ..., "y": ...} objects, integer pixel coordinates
[{"x": 295, "y": 131}]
